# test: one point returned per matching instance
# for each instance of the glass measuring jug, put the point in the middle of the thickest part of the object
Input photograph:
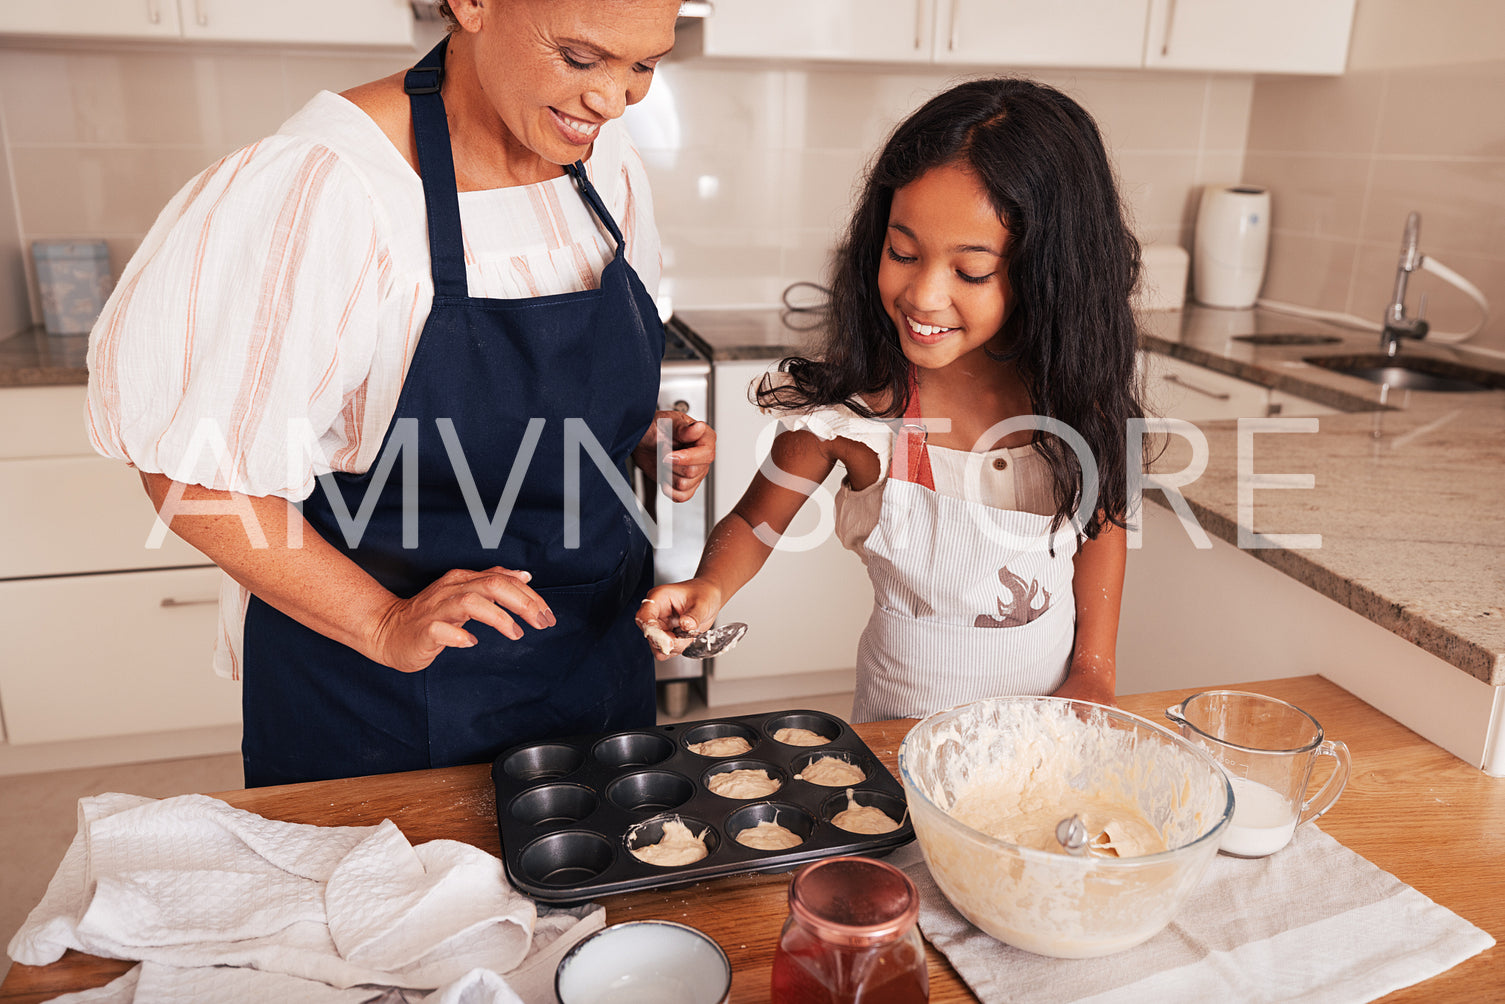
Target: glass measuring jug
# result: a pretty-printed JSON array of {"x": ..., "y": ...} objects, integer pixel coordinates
[{"x": 1268, "y": 749}]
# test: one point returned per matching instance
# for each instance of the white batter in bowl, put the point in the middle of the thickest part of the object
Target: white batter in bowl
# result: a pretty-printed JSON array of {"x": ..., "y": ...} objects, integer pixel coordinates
[{"x": 1032, "y": 761}]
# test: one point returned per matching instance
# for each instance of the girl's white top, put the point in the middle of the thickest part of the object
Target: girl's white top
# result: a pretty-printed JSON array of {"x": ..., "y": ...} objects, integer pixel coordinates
[
  {"x": 262, "y": 331},
  {"x": 1022, "y": 484}
]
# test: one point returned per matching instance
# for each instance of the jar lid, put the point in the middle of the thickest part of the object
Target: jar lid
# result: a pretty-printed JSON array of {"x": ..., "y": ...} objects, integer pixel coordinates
[{"x": 854, "y": 901}]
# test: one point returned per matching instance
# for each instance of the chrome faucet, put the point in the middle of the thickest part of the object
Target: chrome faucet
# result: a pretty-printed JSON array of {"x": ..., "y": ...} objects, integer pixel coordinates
[{"x": 1397, "y": 325}]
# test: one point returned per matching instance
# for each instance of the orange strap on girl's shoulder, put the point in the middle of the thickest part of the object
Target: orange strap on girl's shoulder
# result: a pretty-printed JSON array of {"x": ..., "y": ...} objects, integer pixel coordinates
[{"x": 912, "y": 431}]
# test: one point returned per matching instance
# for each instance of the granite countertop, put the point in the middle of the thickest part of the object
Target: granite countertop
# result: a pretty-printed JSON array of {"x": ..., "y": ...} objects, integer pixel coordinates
[
  {"x": 1408, "y": 498},
  {"x": 34, "y": 358}
]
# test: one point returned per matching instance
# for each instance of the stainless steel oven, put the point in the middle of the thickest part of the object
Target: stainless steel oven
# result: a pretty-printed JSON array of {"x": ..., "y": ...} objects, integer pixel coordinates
[{"x": 685, "y": 385}]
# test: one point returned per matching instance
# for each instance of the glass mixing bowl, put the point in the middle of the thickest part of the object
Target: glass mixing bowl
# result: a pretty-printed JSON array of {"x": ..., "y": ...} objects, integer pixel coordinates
[{"x": 1060, "y": 755}]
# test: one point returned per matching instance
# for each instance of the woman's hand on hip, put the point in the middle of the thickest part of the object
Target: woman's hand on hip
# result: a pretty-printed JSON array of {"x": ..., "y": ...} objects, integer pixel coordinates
[
  {"x": 692, "y": 447},
  {"x": 673, "y": 614},
  {"x": 412, "y": 632}
]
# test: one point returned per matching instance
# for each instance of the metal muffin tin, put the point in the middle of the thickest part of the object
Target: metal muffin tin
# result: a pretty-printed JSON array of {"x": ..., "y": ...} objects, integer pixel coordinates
[{"x": 566, "y": 809}]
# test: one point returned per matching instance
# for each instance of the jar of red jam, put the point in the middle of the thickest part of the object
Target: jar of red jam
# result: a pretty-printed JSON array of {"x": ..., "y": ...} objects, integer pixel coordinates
[{"x": 851, "y": 937}]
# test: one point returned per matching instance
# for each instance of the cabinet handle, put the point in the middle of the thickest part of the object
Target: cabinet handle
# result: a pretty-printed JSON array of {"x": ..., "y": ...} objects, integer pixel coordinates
[
  {"x": 951, "y": 42},
  {"x": 170, "y": 602},
  {"x": 1215, "y": 395},
  {"x": 153, "y": 12},
  {"x": 201, "y": 13},
  {"x": 919, "y": 24},
  {"x": 1170, "y": 23}
]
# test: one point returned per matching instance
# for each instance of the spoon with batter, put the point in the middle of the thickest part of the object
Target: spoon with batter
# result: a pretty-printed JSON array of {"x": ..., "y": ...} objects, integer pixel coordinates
[
  {"x": 714, "y": 641},
  {"x": 708, "y": 643},
  {"x": 1072, "y": 833}
]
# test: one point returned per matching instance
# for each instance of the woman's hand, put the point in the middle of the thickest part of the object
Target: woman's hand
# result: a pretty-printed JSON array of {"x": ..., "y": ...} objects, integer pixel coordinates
[
  {"x": 677, "y": 608},
  {"x": 411, "y": 633},
  {"x": 692, "y": 445}
]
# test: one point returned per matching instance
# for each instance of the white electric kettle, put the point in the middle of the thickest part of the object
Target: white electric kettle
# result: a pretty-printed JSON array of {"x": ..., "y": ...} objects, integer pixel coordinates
[{"x": 1230, "y": 246}]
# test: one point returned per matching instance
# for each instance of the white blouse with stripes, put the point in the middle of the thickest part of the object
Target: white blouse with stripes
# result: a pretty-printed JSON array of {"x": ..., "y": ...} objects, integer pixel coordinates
[{"x": 279, "y": 296}]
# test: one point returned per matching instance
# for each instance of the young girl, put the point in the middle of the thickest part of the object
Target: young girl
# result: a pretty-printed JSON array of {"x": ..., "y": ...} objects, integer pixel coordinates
[{"x": 975, "y": 385}]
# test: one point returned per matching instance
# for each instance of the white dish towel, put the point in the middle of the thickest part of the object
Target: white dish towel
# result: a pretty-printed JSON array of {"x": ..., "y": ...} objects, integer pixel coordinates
[
  {"x": 221, "y": 904},
  {"x": 1313, "y": 923}
]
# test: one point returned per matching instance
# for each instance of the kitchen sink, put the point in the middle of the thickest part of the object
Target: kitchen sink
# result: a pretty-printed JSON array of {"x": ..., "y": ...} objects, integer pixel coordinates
[{"x": 1412, "y": 372}]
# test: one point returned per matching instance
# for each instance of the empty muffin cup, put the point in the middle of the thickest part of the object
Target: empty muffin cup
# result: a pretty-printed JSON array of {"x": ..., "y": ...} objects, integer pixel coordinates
[
  {"x": 566, "y": 858},
  {"x": 554, "y": 803},
  {"x": 650, "y": 791},
  {"x": 633, "y": 749},
  {"x": 545, "y": 760}
]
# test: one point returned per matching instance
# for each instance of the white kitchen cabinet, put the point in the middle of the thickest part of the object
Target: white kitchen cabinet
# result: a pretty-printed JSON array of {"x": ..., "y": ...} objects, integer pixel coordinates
[
  {"x": 329, "y": 22},
  {"x": 1234, "y": 36},
  {"x": 68, "y": 515},
  {"x": 893, "y": 31},
  {"x": 103, "y": 636},
  {"x": 93, "y": 18},
  {"x": 110, "y": 655},
  {"x": 1211, "y": 617},
  {"x": 1098, "y": 33},
  {"x": 1175, "y": 388},
  {"x": 1271, "y": 36},
  {"x": 806, "y": 608}
]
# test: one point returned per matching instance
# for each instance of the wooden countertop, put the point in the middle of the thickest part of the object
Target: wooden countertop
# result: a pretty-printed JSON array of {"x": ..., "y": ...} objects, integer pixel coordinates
[{"x": 1411, "y": 808}]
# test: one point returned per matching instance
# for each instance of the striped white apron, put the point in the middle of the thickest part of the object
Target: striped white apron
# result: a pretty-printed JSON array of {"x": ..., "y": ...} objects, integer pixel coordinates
[{"x": 968, "y": 601}]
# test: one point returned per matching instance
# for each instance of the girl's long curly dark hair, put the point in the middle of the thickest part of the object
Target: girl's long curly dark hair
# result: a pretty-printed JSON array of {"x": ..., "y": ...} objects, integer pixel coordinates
[{"x": 1072, "y": 265}]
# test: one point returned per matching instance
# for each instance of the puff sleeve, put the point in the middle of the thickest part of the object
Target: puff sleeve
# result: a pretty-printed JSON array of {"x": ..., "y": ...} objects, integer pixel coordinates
[{"x": 245, "y": 324}]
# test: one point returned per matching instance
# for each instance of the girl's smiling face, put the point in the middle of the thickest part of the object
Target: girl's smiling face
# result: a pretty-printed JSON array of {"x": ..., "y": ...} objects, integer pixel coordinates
[{"x": 943, "y": 275}]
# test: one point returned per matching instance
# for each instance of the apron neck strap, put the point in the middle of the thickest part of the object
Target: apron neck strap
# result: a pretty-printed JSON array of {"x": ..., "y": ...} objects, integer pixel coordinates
[
  {"x": 592, "y": 199},
  {"x": 436, "y": 167},
  {"x": 912, "y": 434}
]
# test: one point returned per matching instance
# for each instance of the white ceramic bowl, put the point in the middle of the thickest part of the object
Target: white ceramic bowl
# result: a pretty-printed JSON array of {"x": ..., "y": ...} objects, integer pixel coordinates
[
  {"x": 1044, "y": 902},
  {"x": 644, "y": 962}
]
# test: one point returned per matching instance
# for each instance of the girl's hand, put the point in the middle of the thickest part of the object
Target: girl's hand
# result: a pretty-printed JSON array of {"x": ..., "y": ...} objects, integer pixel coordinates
[
  {"x": 1089, "y": 679},
  {"x": 678, "y": 608},
  {"x": 412, "y": 632},
  {"x": 693, "y": 448}
]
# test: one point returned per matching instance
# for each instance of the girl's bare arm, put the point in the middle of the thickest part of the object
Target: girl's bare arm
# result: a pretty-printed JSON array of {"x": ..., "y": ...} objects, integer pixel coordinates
[
  {"x": 1098, "y": 587},
  {"x": 741, "y": 542}
]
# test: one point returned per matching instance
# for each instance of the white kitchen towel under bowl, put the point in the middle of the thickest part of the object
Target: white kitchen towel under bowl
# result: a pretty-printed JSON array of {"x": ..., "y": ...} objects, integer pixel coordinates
[
  {"x": 187, "y": 883},
  {"x": 1314, "y": 922}
]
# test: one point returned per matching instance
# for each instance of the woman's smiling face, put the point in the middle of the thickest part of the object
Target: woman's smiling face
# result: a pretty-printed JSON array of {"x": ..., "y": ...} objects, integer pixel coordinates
[
  {"x": 556, "y": 70},
  {"x": 943, "y": 275}
]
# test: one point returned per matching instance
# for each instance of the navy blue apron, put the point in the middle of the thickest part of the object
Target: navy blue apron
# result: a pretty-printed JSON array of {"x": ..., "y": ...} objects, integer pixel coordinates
[{"x": 484, "y": 373}]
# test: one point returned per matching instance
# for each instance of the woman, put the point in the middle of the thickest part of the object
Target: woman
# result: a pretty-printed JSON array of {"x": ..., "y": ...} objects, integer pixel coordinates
[{"x": 427, "y": 285}]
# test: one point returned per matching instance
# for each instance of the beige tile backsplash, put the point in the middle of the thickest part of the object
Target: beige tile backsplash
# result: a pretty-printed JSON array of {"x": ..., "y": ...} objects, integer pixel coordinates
[
  {"x": 1423, "y": 138},
  {"x": 1417, "y": 123},
  {"x": 754, "y": 165}
]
